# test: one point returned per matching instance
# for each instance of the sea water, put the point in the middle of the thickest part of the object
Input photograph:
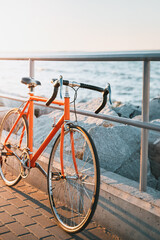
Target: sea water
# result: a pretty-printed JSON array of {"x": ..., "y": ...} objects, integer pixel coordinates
[{"x": 125, "y": 78}]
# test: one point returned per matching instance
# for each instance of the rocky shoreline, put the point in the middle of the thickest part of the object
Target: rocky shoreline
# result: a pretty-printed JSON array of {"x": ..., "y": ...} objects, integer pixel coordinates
[{"x": 118, "y": 145}]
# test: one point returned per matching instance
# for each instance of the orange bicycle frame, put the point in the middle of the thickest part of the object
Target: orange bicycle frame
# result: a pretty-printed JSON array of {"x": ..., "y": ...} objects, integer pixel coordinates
[{"x": 60, "y": 124}]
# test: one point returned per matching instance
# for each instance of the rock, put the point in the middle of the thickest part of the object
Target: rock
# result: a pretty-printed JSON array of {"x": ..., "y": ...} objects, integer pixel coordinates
[
  {"x": 152, "y": 182},
  {"x": 154, "y": 156},
  {"x": 39, "y": 110},
  {"x": 127, "y": 110},
  {"x": 154, "y": 151},
  {"x": 116, "y": 146},
  {"x": 154, "y": 109},
  {"x": 42, "y": 127}
]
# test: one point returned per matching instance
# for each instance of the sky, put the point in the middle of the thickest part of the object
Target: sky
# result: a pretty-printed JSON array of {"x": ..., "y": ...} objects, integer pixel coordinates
[{"x": 79, "y": 25}]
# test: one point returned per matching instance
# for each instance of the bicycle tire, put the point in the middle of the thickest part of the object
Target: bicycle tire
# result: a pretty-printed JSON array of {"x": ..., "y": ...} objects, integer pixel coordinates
[
  {"x": 73, "y": 201},
  {"x": 10, "y": 166}
]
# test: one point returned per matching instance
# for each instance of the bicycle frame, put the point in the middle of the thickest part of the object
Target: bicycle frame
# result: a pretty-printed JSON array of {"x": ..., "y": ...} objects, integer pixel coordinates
[{"x": 60, "y": 124}]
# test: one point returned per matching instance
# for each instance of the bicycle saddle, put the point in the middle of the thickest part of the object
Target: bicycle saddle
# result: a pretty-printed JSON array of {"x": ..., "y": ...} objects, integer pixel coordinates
[{"x": 31, "y": 82}]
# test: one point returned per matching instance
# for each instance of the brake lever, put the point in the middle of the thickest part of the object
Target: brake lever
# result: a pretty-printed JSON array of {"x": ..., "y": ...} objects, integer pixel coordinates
[
  {"x": 109, "y": 91},
  {"x": 61, "y": 85}
]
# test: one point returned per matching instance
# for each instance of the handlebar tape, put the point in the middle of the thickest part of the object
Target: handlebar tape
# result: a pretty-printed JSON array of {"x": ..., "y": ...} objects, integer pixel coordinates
[
  {"x": 87, "y": 86},
  {"x": 91, "y": 87},
  {"x": 104, "y": 101},
  {"x": 54, "y": 95}
]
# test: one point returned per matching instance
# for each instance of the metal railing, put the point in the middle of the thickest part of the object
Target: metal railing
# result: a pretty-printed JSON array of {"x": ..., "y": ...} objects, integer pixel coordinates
[{"x": 146, "y": 57}]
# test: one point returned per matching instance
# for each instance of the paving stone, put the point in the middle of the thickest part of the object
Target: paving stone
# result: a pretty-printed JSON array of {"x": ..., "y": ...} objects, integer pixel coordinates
[
  {"x": 26, "y": 189},
  {"x": 1, "y": 224},
  {"x": 3, "y": 202},
  {"x": 44, "y": 221},
  {"x": 17, "y": 228},
  {"x": 4, "y": 229},
  {"x": 21, "y": 184},
  {"x": 46, "y": 202},
  {"x": 7, "y": 195},
  {"x": 17, "y": 202},
  {"x": 94, "y": 233},
  {"x": 50, "y": 238},
  {"x": 9, "y": 189},
  {"x": 6, "y": 218},
  {"x": 31, "y": 212},
  {"x": 46, "y": 212},
  {"x": 24, "y": 219},
  {"x": 38, "y": 231},
  {"x": 20, "y": 195},
  {"x": 29, "y": 236},
  {"x": 2, "y": 189},
  {"x": 32, "y": 202},
  {"x": 9, "y": 236},
  {"x": 11, "y": 209},
  {"x": 58, "y": 233},
  {"x": 39, "y": 196}
]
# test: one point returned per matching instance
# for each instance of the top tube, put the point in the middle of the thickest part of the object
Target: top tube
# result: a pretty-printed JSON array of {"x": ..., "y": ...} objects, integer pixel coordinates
[{"x": 43, "y": 99}]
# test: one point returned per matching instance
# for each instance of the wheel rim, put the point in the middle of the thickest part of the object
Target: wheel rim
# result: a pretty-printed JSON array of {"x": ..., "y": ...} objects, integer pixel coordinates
[
  {"x": 10, "y": 167},
  {"x": 74, "y": 197}
]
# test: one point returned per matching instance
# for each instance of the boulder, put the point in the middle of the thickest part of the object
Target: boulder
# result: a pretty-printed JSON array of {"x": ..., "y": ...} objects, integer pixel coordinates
[
  {"x": 154, "y": 156},
  {"x": 154, "y": 109},
  {"x": 154, "y": 151},
  {"x": 127, "y": 110},
  {"x": 118, "y": 148}
]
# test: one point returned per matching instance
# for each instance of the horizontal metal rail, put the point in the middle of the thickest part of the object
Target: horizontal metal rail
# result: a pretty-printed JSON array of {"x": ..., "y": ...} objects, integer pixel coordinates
[
  {"x": 139, "y": 124},
  {"x": 110, "y": 56}
]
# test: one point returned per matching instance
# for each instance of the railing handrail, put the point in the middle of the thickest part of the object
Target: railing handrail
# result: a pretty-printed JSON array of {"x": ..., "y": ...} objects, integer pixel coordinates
[
  {"x": 106, "y": 56},
  {"x": 134, "y": 123}
]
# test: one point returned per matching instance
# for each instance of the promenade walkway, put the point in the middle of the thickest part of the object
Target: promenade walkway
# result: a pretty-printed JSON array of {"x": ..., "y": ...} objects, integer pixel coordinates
[{"x": 25, "y": 214}]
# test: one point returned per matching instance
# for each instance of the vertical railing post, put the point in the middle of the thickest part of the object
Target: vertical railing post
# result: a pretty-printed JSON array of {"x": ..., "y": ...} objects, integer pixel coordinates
[
  {"x": 31, "y": 68},
  {"x": 144, "y": 132}
]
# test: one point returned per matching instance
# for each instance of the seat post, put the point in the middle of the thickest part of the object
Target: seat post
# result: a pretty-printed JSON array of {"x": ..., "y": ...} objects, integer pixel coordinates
[{"x": 31, "y": 88}]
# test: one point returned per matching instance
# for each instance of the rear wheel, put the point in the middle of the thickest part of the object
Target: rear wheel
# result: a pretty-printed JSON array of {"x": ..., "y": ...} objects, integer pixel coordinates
[
  {"x": 10, "y": 166},
  {"x": 73, "y": 197}
]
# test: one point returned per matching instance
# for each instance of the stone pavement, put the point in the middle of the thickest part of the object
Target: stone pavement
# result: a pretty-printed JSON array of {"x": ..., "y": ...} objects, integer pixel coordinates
[{"x": 25, "y": 214}]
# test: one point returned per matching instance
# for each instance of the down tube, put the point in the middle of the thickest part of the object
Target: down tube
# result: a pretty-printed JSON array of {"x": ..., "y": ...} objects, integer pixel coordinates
[{"x": 47, "y": 141}]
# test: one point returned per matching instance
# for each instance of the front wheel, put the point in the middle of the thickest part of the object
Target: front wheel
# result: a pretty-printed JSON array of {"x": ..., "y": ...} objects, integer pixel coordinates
[
  {"x": 74, "y": 195},
  {"x": 10, "y": 166}
]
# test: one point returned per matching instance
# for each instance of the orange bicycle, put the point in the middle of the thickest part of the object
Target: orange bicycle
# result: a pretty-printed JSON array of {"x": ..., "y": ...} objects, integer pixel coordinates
[{"x": 73, "y": 170}]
